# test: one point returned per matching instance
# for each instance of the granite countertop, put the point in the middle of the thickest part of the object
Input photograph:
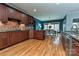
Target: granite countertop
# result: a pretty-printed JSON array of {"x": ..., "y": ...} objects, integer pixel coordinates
[
  {"x": 13, "y": 31},
  {"x": 73, "y": 35}
]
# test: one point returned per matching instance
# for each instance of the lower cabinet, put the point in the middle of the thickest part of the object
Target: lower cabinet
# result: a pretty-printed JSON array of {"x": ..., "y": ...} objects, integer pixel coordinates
[
  {"x": 22, "y": 35},
  {"x": 10, "y": 38},
  {"x": 26, "y": 35},
  {"x": 13, "y": 37},
  {"x": 39, "y": 34},
  {"x": 66, "y": 43},
  {"x": 72, "y": 48},
  {"x": 75, "y": 47},
  {"x": 63, "y": 41},
  {"x": 16, "y": 37},
  {"x": 4, "y": 39}
]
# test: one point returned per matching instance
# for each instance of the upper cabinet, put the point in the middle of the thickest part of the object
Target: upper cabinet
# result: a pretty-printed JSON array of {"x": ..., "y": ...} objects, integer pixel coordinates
[
  {"x": 11, "y": 12},
  {"x": 24, "y": 19},
  {"x": 8, "y": 12},
  {"x": 3, "y": 13},
  {"x": 27, "y": 20},
  {"x": 18, "y": 15},
  {"x": 31, "y": 20}
]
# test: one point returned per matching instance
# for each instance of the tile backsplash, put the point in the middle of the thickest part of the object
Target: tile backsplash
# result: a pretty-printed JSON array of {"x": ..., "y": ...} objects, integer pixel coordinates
[{"x": 10, "y": 26}]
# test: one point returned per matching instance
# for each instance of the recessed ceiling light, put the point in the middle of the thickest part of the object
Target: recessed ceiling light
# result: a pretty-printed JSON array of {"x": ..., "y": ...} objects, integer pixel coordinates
[{"x": 34, "y": 10}]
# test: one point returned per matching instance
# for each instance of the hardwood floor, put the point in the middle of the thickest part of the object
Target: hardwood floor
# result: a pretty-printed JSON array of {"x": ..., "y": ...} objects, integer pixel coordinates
[{"x": 34, "y": 47}]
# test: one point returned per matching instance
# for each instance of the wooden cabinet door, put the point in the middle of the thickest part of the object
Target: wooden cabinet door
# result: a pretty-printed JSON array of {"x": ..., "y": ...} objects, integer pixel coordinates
[
  {"x": 34, "y": 34},
  {"x": 30, "y": 19},
  {"x": 18, "y": 15},
  {"x": 63, "y": 42},
  {"x": 24, "y": 19},
  {"x": 27, "y": 34},
  {"x": 23, "y": 35},
  {"x": 13, "y": 37},
  {"x": 10, "y": 38},
  {"x": 4, "y": 39},
  {"x": 75, "y": 47},
  {"x": 16, "y": 37},
  {"x": 11, "y": 13},
  {"x": 39, "y": 34},
  {"x": 27, "y": 20},
  {"x": 20, "y": 36},
  {"x": 3, "y": 13}
]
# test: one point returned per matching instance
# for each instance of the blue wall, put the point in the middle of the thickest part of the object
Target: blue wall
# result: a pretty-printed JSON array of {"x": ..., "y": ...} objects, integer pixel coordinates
[
  {"x": 58, "y": 20},
  {"x": 38, "y": 23},
  {"x": 62, "y": 22}
]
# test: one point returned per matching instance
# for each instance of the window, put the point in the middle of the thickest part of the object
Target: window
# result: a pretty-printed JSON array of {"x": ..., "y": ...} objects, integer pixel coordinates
[
  {"x": 45, "y": 26},
  {"x": 57, "y": 27},
  {"x": 54, "y": 26}
]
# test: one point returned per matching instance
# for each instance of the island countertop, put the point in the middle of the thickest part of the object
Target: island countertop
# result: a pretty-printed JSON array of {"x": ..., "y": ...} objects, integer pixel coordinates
[
  {"x": 73, "y": 35},
  {"x": 73, "y": 44}
]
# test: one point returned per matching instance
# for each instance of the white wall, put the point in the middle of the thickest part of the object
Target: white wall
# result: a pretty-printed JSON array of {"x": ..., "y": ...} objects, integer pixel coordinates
[
  {"x": 69, "y": 22},
  {"x": 69, "y": 19}
]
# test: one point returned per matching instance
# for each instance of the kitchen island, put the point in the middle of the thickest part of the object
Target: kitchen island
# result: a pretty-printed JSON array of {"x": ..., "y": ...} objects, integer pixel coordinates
[{"x": 71, "y": 43}]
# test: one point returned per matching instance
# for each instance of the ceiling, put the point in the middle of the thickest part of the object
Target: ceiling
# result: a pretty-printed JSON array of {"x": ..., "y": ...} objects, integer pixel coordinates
[{"x": 47, "y": 11}]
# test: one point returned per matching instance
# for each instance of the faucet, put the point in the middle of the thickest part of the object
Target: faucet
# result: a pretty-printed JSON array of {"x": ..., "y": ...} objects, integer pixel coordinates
[{"x": 74, "y": 30}]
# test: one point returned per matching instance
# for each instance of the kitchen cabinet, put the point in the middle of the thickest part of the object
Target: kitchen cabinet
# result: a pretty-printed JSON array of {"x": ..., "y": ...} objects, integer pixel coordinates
[
  {"x": 24, "y": 19},
  {"x": 67, "y": 43},
  {"x": 31, "y": 32},
  {"x": 18, "y": 15},
  {"x": 63, "y": 41},
  {"x": 3, "y": 13},
  {"x": 11, "y": 13},
  {"x": 70, "y": 44},
  {"x": 39, "y": 34},
  {"x": 26, "y": 34},
  {"x": 4, "y": 39},
  {"x": 12, "y": 37},
  {"x": 31, "y": 20},
  {"x": 18, "y": 36},
  {"x": 23, "y": 35},
  {"x": 27, "y": 20},
  {"x": 75, "y": 47}
]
